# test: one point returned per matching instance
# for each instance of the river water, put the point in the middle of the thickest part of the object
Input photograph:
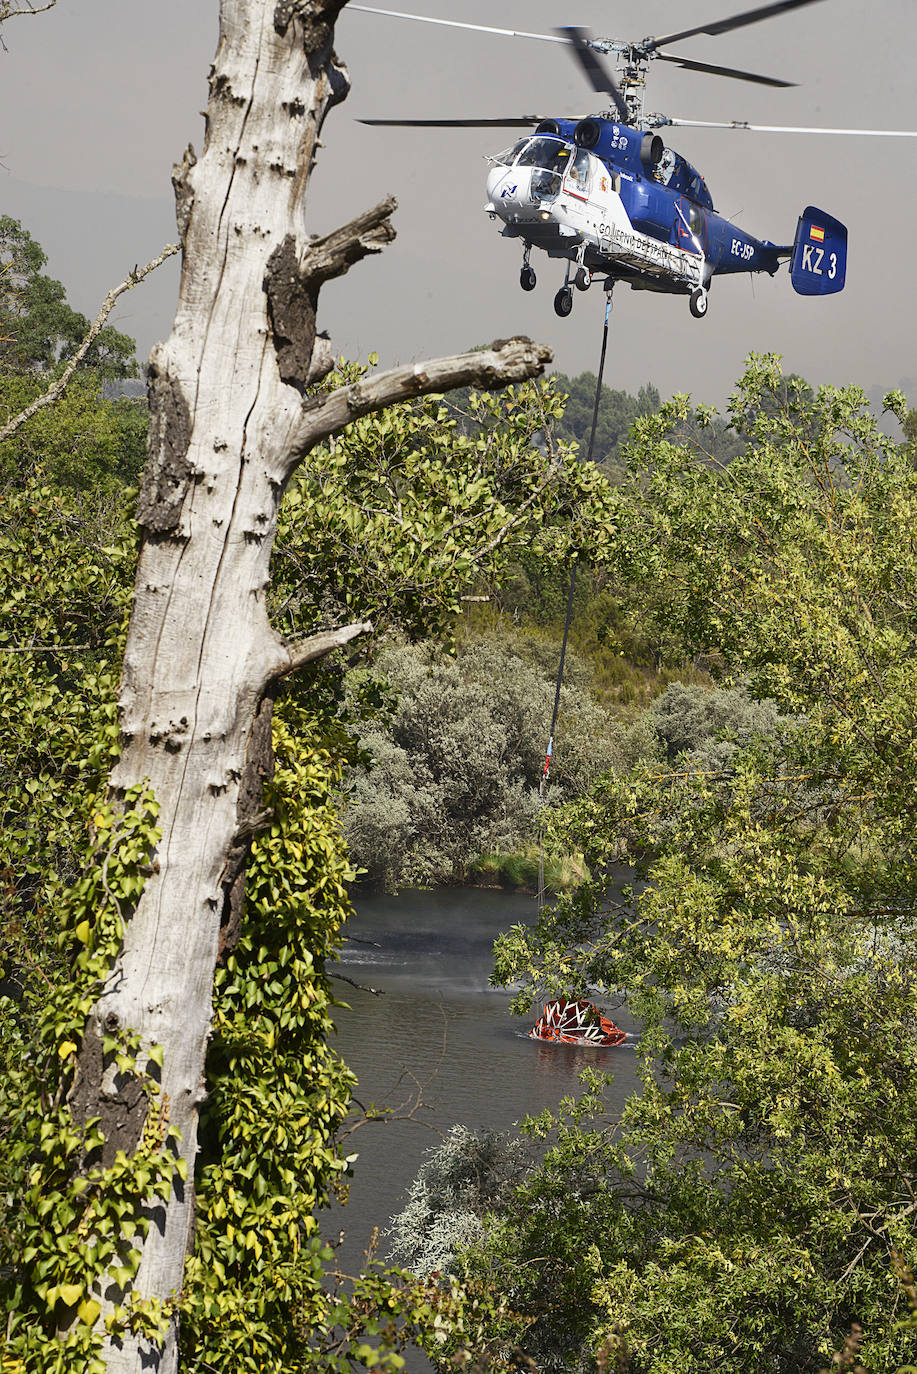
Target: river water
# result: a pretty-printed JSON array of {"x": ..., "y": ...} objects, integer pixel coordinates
[{"x": 440, "y": 1042}]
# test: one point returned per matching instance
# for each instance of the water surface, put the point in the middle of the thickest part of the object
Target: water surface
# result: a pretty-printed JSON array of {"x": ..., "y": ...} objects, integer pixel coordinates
[{"x": 440, "y": 1042}]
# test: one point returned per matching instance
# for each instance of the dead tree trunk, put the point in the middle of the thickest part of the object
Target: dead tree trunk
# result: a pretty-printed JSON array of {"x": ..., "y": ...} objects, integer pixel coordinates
[{"x": 232, "y": 418}]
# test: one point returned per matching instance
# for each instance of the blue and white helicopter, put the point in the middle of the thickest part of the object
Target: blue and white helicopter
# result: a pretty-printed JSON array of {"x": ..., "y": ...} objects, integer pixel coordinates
[{"x": 605, "y": 194}]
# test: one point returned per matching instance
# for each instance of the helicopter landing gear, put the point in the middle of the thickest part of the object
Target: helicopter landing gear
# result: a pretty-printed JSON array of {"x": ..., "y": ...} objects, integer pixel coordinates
[
  {"x": 527, "y": 276},
  {"x": 563, "y": 302},
  {"x": 582, "y": 277},
  {"x": 698, "y": 303}
]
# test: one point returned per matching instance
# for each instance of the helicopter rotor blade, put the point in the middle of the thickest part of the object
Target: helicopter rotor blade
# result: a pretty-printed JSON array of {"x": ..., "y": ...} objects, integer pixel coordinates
[
  {"x": 597, "y": 74},
  {"x": 457, "y": 24},
  {"x": 513, "y": 122},
  {"x": 743, "y": 127},
  {"x": 734, "y": 72},
  {"x": 735, "y": 21}
]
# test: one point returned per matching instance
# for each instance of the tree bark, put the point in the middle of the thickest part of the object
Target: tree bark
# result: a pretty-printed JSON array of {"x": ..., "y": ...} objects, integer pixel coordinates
[{"x": 231, "y": 418}]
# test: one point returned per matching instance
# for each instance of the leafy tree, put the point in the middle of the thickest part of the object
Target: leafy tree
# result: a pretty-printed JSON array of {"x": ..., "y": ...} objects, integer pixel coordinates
[
  {"x": 86, "y": 442},
  {"x": 617, "y": 412},
  {"x": 254, "y": 1289},
  {"x": 62, "y": 617},
  {"x": 382, "y": 496},
  {"x": 38, "y": 329},
  {"x": 909, "y": 425},
  {"x": 758, "y": 1195}
]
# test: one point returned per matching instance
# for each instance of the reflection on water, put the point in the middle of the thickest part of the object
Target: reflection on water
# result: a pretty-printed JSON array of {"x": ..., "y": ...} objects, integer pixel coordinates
[{"x": 440, "y": 1036}]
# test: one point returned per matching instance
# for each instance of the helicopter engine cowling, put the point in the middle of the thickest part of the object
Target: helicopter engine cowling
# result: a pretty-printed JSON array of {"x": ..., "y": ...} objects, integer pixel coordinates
[
  {"x": 651, "y": 150},
  {"x": 587, "y": 133},
  {"x": 625, "y": 147}
]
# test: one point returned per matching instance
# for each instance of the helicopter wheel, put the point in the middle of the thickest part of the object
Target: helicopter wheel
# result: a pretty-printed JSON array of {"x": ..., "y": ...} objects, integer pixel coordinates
[
  {"x": 698, "y": 303},
  {"x": 527, "y": 278},
  {"x": 563, "y": 302},
  {"x": 583, "y": 279}
]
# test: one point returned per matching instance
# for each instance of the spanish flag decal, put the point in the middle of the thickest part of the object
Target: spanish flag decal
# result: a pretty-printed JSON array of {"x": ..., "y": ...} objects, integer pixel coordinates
[{"x": 817, "y": 234}]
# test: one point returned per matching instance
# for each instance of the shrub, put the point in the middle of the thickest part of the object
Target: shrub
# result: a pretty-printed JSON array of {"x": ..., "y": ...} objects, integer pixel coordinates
[{"x": 457, "y": 764}]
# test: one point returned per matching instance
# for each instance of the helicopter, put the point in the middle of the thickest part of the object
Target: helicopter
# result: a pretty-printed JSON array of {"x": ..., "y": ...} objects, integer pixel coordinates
[{"x": 607, "y": 196}]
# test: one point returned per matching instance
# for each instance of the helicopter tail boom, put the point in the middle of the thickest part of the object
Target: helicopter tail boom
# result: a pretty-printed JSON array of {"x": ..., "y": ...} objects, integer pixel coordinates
[{"x": 818, "y": 266}]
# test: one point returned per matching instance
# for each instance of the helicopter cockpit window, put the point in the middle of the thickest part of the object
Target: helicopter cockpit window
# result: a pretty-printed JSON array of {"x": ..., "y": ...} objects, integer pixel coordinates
[
  {"x": 509, "y": 155},
  {"x": 665, "y": 167},
  {"x": 550, "y": 153},
  {"x": 551, "y": 157},
  {"x": 578, "y": 173}
]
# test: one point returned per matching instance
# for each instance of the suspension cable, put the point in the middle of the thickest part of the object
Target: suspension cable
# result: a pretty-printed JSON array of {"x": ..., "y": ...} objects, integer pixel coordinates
[{"x": 569, "y": 615}]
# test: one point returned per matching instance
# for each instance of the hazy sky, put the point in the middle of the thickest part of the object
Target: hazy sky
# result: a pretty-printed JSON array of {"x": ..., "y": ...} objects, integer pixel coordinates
[{"x": 99, "y": 97}]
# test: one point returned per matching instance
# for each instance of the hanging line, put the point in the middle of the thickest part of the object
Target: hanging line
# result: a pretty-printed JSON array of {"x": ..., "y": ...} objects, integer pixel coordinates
[{"x": 569, "y": 616}]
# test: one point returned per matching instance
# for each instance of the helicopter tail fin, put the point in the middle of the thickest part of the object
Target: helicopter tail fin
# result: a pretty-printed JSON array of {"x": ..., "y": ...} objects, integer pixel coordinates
[{"x": 818, "y": 266}]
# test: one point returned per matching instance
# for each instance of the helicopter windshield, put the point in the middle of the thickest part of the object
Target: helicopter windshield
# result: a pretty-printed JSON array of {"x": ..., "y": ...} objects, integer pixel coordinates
[
  {"x": 550, "y": 157},
  {"x": 550, "y": 153},
  {"x": 508, "y": 156}
]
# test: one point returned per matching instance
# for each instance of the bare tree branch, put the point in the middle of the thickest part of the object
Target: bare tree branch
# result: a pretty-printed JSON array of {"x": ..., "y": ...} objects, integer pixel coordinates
[
  {"x": 42, "y": 648},
  {"x": 48, "y": 397},
  {"x": 501, "y": 534},
  {"x": 292, "y": 281},
  {"x": 362, "y": 987},
  {"x": 9, "y": 10},
  {"x": 413, "y": 1104},
  {"x": 332, "y": 255},
  {"x": 506, "y": 361},
  {"x": 317, "y": 646}
]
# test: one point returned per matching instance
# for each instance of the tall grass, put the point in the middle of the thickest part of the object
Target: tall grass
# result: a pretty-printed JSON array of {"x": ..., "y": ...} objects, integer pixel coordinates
[{"x": 518, "y": 871}]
